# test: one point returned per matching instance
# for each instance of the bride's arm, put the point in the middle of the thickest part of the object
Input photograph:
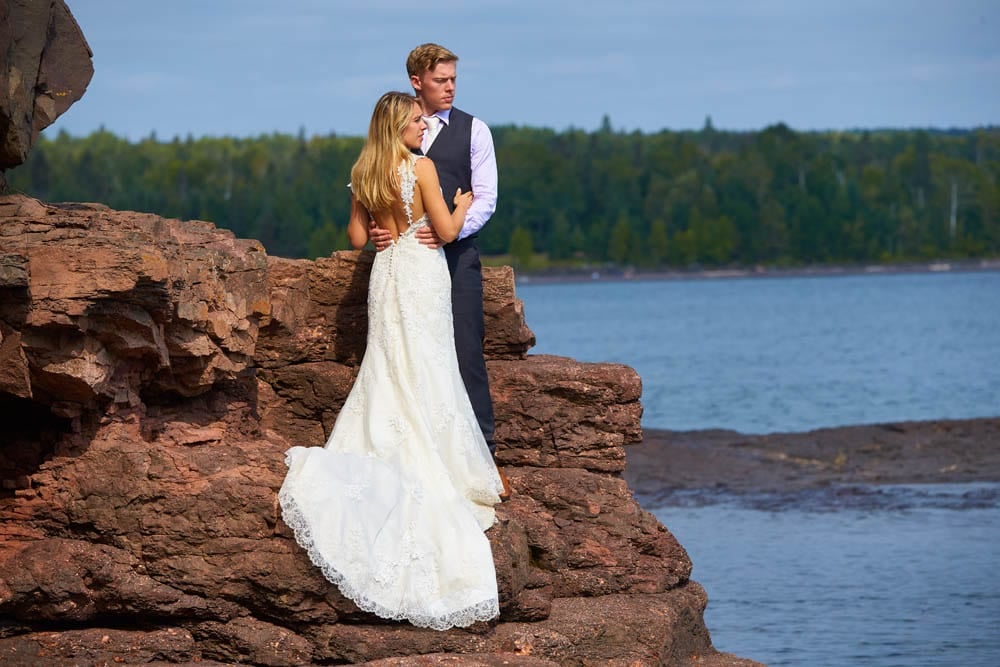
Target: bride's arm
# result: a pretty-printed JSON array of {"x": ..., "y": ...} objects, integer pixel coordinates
[
  {"x": 357, "y": 228},
  {"x": 446, "y": 225}
]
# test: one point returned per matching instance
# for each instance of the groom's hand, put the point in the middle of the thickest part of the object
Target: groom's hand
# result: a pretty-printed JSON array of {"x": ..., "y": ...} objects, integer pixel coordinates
[
  {"x": 380, "y": 238},
  {"x": 428, "y": 237}
]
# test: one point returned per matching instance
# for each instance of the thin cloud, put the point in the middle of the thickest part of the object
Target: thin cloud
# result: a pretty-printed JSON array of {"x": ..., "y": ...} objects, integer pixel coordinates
[
  {"x": 147, "y": 83},
  {"x": 365, "y": 87},
  {"x": 646, "y": 63}
]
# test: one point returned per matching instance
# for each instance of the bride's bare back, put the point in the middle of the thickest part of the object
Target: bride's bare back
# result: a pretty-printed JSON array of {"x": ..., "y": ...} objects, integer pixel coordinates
[
  {"x": 427, "y": 198},
  {"x": 395, "y": 220}
]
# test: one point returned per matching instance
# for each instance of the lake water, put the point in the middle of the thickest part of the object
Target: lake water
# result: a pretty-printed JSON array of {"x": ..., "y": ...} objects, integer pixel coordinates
[
  {"x": 909, "y": 587},
  {"x": 786, "y": 354},
  {"x": 887, "y": 576}
]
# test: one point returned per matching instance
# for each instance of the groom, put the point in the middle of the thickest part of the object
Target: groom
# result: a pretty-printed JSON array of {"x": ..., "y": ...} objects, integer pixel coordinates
[{"x": 461, "y": 147}]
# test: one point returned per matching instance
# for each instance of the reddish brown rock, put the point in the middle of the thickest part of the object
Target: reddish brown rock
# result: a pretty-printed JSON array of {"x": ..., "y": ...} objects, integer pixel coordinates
[
  {"x": 155, "y": 372},
  {"x": 15, "y": 379},
  {"x": 468, "y": 660},
  {"x": 588, "y": 536},
  {"x": 624, "y": 630},
  {"x": 507, "y": 334},
  {"x": 46, "y": 65},
  {"x": 319, "y": 312},
  {"x": 314, "y": 337},
  {"x": 125, "y": 304},
  {"x": 557, "y": 412},
  {"x": 100, "y": 647}
]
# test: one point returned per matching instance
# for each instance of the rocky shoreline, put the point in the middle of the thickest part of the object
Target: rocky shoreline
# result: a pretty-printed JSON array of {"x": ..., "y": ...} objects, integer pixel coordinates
[
  {"x": 678, "y": 467},
  {"x": 618, "y": 273},
  {"x": 154, "y": 372}
]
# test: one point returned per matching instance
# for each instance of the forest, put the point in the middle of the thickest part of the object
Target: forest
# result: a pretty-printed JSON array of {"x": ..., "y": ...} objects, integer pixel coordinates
[{"x": 575, "y": 198}]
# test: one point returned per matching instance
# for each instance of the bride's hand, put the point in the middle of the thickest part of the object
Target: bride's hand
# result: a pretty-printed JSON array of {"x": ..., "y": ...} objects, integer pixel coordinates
[{"x": 463, "y": 198}]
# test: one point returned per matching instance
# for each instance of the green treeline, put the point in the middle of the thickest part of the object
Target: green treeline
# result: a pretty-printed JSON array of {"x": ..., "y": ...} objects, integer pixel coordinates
[{"x": 567, "y": 198}]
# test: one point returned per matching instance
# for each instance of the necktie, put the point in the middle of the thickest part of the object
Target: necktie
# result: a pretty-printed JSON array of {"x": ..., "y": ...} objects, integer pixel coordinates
[{"x": 433, "y": 127}]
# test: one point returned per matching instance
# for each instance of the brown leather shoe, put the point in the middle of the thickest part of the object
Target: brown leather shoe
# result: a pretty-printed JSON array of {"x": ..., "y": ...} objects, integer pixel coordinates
[{"x": 506, "y": 485}]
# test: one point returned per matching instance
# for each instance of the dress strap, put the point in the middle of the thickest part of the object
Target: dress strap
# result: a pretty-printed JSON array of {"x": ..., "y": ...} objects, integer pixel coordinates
[{"x": 407, "y": 179}]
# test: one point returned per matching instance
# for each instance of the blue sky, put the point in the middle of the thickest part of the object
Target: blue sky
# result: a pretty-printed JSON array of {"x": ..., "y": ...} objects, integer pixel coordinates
[{"x": 246, "y": 67}]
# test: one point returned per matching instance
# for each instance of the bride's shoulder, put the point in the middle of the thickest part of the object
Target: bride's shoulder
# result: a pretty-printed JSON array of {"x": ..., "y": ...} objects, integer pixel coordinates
[{"x": 423, "y": 165}]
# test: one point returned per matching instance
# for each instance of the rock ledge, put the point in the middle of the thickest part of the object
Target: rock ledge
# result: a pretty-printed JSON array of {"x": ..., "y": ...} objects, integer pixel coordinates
[{"x": 156, "y": 370}]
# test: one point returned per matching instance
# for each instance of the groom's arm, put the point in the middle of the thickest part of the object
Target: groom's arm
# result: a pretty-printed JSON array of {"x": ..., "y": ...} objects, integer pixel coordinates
[
  {"x": 484, "y": 179},
  {"x": 381, "y": 238}
]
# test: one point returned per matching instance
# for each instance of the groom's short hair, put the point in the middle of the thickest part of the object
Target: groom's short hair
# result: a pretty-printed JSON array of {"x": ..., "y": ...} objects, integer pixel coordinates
[{"x": 426, "y": 57}]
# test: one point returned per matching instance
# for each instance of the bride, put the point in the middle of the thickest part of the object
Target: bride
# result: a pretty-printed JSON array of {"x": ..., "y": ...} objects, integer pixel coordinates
[{"x": 393, "y": 508}]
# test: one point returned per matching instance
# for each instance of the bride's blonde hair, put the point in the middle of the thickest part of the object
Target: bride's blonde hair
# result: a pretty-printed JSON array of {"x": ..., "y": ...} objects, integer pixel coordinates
[{"x": 374, "y": 180}]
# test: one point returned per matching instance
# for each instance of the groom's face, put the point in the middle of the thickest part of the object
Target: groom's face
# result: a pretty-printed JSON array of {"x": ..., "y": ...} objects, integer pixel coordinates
[{"x": 436, "y": 87}]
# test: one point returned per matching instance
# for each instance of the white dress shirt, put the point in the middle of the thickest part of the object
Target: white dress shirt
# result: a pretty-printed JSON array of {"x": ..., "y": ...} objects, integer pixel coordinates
[{"x": 484, "y": 174}]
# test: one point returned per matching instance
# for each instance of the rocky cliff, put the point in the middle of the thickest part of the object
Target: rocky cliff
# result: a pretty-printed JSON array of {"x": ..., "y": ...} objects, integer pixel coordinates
[
  {"x": 152, "y": 373},
  {"x": 45, "y": 64}
]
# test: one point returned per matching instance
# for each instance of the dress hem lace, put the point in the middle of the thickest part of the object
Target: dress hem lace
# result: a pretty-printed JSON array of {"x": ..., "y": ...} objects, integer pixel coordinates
[{"x": 481, "y": 611}]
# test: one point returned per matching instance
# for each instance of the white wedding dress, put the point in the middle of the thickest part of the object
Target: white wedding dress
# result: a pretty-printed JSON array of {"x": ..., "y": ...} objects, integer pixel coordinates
[{"x": 393, "y": 508}]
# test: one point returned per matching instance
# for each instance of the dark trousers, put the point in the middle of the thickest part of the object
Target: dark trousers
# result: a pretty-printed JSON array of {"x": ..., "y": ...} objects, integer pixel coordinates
[{"x": 467, "y": 309}]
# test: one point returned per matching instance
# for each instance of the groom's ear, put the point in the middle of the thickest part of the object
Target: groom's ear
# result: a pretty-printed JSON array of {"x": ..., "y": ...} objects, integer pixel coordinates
[{"x": 415, "y": 82}]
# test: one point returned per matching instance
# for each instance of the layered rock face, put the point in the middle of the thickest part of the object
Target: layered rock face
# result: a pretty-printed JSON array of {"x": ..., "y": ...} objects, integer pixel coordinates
[{"x": 152, "y": 374}]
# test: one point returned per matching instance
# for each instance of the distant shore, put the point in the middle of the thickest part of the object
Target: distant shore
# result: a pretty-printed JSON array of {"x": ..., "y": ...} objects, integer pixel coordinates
[
  {"x": 938, "y": 451},
  {"x": 615, "y": 274}
]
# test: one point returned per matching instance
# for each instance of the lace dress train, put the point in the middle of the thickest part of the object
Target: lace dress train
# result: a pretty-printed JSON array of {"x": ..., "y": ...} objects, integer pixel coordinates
[{"x": 393, "y": 508}]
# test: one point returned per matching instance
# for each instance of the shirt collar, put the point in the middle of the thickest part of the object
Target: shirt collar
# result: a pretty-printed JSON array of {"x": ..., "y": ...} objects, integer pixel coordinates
[{"x": 443, "y": 114}]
